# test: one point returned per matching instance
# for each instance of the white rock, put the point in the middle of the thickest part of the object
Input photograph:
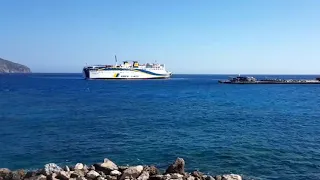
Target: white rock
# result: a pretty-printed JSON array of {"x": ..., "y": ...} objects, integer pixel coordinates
[
  {"x": 51, "y": 168},
  {"x": 231, "y": 177},
  {"x": 79, "y": 166},
  {"x": 108, "y": 164},
  {"x": 92, "y": 174},
  {"x": 132, "y": 172},
  {"x": 115, "y": 173}
]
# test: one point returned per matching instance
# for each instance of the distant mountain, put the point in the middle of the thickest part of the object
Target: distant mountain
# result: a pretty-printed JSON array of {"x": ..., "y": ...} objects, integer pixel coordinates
[{"x": 11, "y": 67}]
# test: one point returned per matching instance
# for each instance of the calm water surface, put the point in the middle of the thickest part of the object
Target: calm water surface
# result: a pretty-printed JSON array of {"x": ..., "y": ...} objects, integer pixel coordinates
[{"x": 258, "y": 131}]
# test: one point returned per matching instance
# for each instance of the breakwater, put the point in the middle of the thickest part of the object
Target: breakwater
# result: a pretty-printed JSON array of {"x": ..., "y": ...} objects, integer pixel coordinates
[{"x": 108, "y": 170}]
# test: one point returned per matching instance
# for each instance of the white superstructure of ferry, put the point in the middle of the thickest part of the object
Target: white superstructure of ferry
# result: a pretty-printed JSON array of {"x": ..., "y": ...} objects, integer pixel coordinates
[{"x": 127, "y": 70}]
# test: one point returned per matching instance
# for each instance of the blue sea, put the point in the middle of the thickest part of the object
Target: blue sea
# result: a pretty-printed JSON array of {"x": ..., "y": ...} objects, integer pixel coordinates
[{"x": 257, "y": 131}]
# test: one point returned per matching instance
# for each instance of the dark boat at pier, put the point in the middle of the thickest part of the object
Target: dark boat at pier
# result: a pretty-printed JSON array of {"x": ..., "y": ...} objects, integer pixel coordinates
[{"x": 251, "y": 80}]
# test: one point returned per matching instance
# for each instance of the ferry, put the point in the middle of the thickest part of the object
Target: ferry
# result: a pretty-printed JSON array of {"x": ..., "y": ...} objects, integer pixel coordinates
[{"x": 127, "y": 70}]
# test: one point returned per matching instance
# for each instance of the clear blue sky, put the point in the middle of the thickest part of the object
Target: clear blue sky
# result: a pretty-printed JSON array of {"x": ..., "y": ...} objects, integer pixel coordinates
[{"x": 189, "y": 36}]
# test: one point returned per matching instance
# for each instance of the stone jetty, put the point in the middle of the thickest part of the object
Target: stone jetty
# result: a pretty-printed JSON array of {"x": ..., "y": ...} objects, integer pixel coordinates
[{"x": 108, "y": 170}]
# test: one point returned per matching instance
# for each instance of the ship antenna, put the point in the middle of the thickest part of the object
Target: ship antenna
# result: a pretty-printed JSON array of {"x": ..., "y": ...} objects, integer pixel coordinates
[{"x": 115, "y": 57}]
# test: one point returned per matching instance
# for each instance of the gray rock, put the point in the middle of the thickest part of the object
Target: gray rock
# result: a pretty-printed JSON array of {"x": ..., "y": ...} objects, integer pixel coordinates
[
  {"x": 63, "y": 175},
  {"x": 122, "y": 168},
  {"x": 92, "y": 174},
  {"x": 176, "y": 176},
  {"x": 77, "y": 173},
  {"x": 102, "y": 174},
  {"x": 191, "y": 178},
  {"x": 78, "y": 166},
  {"x": 231, "y": 177},
  {"x": 100, "y": 178},
  {"x": 209, "y": 178},
  {"x": 166, "y": 177},
  {"x": 176, "y": 167},
  {"x": 30, "y": 174},
  {"x": 52, "y": 176},
  {"x": 156, "y": 177},
  {"x": 5, "y": 173},
  {"x": 91, "y": 168},
  {"x": 144, "y": 176},
  {"x": 86, "y": 168},
  {"x": 108, "y": 165},
  {"x": 81, "y": 178},
  {"x": 132, "y": 172},
  {"x": 108, "y": 177},
  {"x": 17, "y": 175},
  {"x": 218, "y": 177},
  {"x": 39, "y": 177},
  {"x": 67, "y": 169},
  {"x": 198, "y": 175},
  {"x": 115, "y": 173},
  {"x": 152, "y": 170},
  {"x": 51, "y": 168}
]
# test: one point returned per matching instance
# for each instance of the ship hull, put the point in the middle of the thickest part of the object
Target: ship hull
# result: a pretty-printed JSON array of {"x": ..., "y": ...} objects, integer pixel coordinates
[{"x": 124, "y": 74}]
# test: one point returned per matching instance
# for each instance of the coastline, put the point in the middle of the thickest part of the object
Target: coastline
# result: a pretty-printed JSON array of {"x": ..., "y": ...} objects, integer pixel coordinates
[{"x": 108, "y": 170}]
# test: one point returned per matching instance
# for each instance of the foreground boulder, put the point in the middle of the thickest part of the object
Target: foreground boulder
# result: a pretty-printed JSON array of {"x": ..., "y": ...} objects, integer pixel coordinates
[
  {"x": 78, "y": 166},
  {"x": 144, "y": 176},
  {"x": 176, "y": 176},
  {"x": 63, "y": 175},
  {"x": 115, "y": 173},
  {"x": 177, "y": 167},
  {"x": 132, "y": 172},
  {"x": 152, "y": 170},
  {"x": 51, "y": 168},
  {"x": 107, "y": 166},
  {"x": 37, "y": 177},
  {"x": 109, "y": 177},
  {"x": 17, "y": 175},
  {"x": 77, "y": 173},
  {"x": 231, "y": 177},
  {"x": 198, "y": 175},
  {"x": 52, "y": 176},
  {"x": 156, "y": 177},
  {"x": 93, "y": 174},
  {"x": 4, "y": 173}
]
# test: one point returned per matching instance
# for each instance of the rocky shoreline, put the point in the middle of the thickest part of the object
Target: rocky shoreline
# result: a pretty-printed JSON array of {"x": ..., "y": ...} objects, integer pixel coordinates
[{"x": 110, "y": 171}]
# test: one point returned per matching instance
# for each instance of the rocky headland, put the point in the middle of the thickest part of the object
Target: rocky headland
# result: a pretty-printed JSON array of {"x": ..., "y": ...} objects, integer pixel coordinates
[
  {"x": 11, "y": 67},
  {"x": 108, "y": 170}
]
